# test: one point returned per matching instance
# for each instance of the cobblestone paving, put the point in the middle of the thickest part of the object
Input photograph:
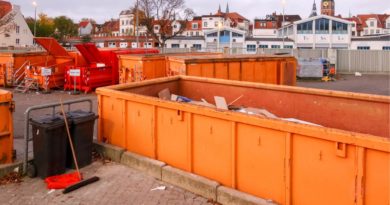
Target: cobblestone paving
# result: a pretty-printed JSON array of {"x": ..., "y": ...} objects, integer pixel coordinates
[{"x": 118, "y": 184}]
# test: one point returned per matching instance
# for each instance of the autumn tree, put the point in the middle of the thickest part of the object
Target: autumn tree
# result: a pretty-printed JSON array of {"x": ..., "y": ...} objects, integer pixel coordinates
[
  {"x": 64, "y": 27},
  {"x": 163, "y": 14},
  {"x": 44, "y": 25}
]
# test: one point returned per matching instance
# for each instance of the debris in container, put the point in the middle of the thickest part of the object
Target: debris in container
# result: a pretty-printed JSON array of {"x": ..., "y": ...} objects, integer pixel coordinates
[
  {"x": 165, "y": 94},
  {"x": 257, "y": 111},
  {"x": 203, "y": 103},
  {"x": 220, "y": 102},
  {"x": 300, "y": 121},
  {"x": 179, "y": 98},
  {"x": 162, "y": 188}
]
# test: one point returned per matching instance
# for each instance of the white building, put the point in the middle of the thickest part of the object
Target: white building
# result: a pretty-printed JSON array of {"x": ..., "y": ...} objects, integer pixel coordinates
[
  {"x": 16, "y": 32},
  {"x": 370, "y": 24},
  {"x": 381, "y": 42},
  {"x": 253, "y": 45},
  {"x": 319, "y": 32},
  {"x": 85, "y": 28},
  {"x": 126, "y": 23}
]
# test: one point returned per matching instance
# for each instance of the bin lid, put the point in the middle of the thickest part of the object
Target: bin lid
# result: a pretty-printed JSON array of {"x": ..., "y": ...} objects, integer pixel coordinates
[
  {"x": 78, "y": 116},
  {"x": 48, "y": 121},
  {"x": 5, "y": 96}
]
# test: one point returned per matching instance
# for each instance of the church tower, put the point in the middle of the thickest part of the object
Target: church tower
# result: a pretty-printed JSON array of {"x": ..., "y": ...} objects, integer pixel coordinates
[
  {"x": 328, "y": 7},
  {"x": 314, "y": 10}
]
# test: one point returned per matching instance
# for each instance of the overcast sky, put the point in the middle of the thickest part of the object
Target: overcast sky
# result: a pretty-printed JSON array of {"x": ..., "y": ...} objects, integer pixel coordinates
[{"x": 102, "y": 10}]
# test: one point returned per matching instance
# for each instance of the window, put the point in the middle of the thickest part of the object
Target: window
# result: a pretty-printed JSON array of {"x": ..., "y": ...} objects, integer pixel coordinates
[
  {"x": 175, "y": 26},
  {"x": 156, "y": 27},
  {"x": 372, "y": 23},
  {"x": 386, "y": 48},
  {"x": 17, "y": 29},
  {"x": 127, "y": 22},
  {"x": 388, "y": 25},
  {"x": 353, "y": 33},
  {"x": 237, "y": 35},
  {"x": 377, "y": 31},
  {"x": 263, "y": 46},
  {"x": 216, "y": 24},
  {"x": 363, "y": 47},
  {"x": 251, "y": 48},
  {"x": 263, "y": 24},
  {"x": 195, "y": 26},
  {"x": 339, "y": 28},
  {"x": 305, "y": 28},
  {"x": 197, "y": 46},
  {"x": 322, "y": 26},
  {"x": 17, "y": 41},
  {"x": 192, "y": 33},
  {"x": 175, "y": 45},
  {"x": 123, "y": 22},
  {"x": 205, "y": 24},
  {"x": 288, "y": 46},
  {"x": 215, "y": 34},
  {"x": 275, "y": 46},
  {"x": 197, "y": 33},
  {"x": 123, "y": 30}
]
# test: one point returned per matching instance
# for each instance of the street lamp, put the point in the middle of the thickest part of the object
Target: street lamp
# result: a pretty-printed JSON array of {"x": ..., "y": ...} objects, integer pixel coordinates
[
  {"x": 136, "y": 19},
  {"x": 283, "y": 5},
  {"x": 219, "y": 35},
  {"x": 34, "y": 3}
]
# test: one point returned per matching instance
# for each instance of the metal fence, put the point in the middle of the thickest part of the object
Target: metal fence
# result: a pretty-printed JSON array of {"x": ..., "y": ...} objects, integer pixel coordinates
[
  {"x": 346, "y": 61},
  {"x": 350, "y": 61}
]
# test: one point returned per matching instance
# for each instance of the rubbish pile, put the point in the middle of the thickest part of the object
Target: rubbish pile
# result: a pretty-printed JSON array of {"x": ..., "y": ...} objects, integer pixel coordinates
[{"x": 220, "y": 103}]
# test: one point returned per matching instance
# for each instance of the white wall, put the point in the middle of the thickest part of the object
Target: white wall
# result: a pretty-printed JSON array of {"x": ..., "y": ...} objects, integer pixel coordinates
[
  {"x": 86, "y": 30},
  {"x": 24, "y": 35},
  {"x": 126, "y": 26},
  {"x": 185, "y": 43},
  {"x": 374, "y": 45},
  {"x": 264, "y": 33}
]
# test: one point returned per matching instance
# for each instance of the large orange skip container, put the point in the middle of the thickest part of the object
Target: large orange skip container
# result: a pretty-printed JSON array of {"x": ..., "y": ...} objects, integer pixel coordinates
[
  {"x": 253, "y": 68},
  {"x": 346, "y": 161},
  {"x": 133, "y": 68},
  {"x": 6, "y": 127}
]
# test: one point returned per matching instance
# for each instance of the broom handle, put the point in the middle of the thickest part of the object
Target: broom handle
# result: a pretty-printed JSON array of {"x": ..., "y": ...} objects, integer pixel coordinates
[{"x": 70, "y": 140}]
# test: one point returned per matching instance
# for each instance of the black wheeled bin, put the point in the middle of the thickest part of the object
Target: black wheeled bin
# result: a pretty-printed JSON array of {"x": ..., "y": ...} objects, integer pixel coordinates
[
  {"x": 81, "y": 130},
  {"x": 49, "y": 143}
]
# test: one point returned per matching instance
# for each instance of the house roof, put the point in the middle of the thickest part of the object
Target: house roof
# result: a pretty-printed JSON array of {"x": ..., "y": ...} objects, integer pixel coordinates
[
  {"x": 126, "y": 12},
  {"x": 268, "y": 39},
  {"x": 83, "y": 24},
  {"x": 381, "y": 18},
  {"x": 385, "y": 37},
  {"x": 5, "y": 8}
]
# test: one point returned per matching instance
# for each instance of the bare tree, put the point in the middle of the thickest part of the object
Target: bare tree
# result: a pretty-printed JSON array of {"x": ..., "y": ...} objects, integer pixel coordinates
[
  {"x": 7, "y": 22},
  {"x": 163, "y": 14}
]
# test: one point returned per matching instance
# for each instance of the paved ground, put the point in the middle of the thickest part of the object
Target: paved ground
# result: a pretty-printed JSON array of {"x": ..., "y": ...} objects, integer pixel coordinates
[
  {"x": 371, "y": 84},
  {"x": 117, "y": 185}
]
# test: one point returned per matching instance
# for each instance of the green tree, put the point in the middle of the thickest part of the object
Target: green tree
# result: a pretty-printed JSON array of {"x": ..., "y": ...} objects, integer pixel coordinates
[{"x": 64, "y": 27}]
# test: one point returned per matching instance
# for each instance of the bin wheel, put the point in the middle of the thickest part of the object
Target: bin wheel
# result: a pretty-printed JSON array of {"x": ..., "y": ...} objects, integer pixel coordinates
[{"x": 31, "y": 170}]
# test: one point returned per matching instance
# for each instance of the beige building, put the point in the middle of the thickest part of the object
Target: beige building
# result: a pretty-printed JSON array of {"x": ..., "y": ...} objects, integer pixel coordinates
[{"x": 16, "y": 32}]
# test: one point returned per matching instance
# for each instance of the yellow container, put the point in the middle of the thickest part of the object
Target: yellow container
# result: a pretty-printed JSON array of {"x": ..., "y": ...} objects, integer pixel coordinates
[
  {"x": 6, "y": 127},
  {"x": 344, "y": 161}
]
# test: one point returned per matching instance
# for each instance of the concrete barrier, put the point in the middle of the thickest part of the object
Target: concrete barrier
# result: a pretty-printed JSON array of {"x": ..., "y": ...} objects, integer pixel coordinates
[
  {"x": 147, "y": 165},
  {"x": 109, "y": 151},
  {"x": 191, "y": 182},
  {"x": 228, "y": 196}
]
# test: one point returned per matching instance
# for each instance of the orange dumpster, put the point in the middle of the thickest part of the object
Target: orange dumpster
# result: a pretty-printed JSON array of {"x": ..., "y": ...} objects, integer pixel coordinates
[
  {"x": 134, "y": 68},
  {"x": 6, "y": 127},
  {"x": 253, "y": 68},
  {"x": 321, "y": 147}
]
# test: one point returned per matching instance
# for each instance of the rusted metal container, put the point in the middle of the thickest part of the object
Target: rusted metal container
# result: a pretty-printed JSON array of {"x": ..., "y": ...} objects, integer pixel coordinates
[
  {"x": 280, "y": 70},
  {"x": 133, "y": 68},
  {"x": 6, "y": 127},
  {"x": 345, "y": 159}
]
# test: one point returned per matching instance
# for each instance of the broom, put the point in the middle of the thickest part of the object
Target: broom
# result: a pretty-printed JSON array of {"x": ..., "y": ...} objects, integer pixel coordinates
[{"x": 82, "y": 182}]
